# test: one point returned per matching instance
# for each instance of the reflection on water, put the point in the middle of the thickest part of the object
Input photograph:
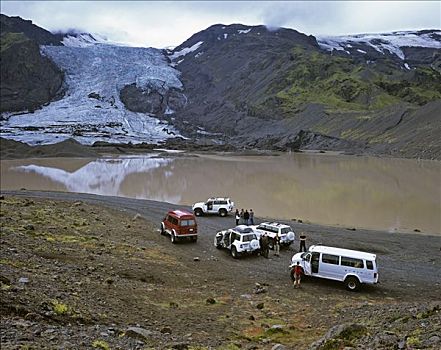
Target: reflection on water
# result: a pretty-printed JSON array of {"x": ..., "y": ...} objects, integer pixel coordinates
[{"x": 390, "y": 194}]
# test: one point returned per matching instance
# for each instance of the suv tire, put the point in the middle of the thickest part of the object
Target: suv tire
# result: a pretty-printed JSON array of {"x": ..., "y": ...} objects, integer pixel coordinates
[
  {"x": 352, "y": 283},
  {"x": 222, "y": 212},
  {"x": 234, "y": 253},
  {"x": 162, "y": 229},
  {"x": 173, "y": 238},
  {"x": 198, "y": 212}
]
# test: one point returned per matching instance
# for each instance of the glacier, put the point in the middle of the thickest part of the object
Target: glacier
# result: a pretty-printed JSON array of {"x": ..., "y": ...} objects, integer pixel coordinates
[
  {"x": 91, "y": 109},
  {"x": 392, "y": 42}
]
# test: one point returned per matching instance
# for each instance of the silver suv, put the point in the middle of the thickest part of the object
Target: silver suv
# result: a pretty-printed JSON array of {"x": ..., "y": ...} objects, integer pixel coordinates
[
  {"x": 239, "y": 240},
  {"x": 285, "y": 232},
  {"x": 215, "y": 205}
]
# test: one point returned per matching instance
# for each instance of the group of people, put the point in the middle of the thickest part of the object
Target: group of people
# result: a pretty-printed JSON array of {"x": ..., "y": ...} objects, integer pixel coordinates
[{"x": 244, "y": 217}]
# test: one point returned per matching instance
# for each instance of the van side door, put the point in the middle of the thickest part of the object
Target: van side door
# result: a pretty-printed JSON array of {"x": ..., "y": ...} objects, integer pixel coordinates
[
  {"x": 315, "y": 259},
  {"x": 330, "y": 266},
  {"x": 307, "y": 264}
]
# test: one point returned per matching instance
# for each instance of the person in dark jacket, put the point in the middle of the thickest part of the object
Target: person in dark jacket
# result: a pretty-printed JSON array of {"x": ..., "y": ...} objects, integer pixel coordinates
[
  {"x": 246, "y": 217},
  {"x": 264, "y": 245},
  {"x": 302, "y": 242},
  {"x": 237, "y": 217},
  {"x": 277, "y": 245},
  {"x": 251, "y": 217}
]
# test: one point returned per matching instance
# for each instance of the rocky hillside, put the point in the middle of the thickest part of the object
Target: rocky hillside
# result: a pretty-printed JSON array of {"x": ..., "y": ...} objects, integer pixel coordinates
[
  {"x": 28, "y": 79},
  {"x": 234, "y": 86},
  {"x": 281, "y": 89}
]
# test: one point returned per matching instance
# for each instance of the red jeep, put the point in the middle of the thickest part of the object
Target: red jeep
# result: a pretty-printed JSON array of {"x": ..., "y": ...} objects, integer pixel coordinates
[{"x": 180, "y": 224}]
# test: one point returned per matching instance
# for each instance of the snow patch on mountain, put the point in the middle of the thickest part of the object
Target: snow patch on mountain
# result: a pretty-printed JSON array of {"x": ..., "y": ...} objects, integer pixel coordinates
[
  {"x": 392, "y": 42},
  {"x": 186, "y": 50},
  {"x": 91, "y": 109}
]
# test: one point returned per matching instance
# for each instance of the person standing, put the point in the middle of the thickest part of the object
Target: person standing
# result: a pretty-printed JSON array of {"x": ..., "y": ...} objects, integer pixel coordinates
[
  {"x": 251, "y": 217},
  {"x": 237, "y": 217},
  {"x": 302, "y": 242},
  {"x": 241, "y": 217},
  {"x": 265, "y": 246},
  {"x": 246, "y": 217},
  {"x": 297, "y": 275},
  {"x": 277, "y": 245}
]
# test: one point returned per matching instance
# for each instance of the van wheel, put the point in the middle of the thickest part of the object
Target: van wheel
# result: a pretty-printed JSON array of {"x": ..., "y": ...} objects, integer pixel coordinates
[
  {"x": 173, "y": 238},
  {"x": 222, "y": 212},
  {"x": 234, "y": 253},
  {"x": 198, "y": 212},
  {"x": 352, "y": 284}
]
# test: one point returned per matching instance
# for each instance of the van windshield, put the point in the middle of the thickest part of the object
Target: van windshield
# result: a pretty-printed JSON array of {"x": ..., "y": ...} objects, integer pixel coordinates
[{"x": 187, "y": 222}]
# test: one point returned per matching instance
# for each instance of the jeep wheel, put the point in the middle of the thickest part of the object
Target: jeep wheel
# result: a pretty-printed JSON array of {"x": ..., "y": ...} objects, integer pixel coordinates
[
  {"x": 234, "y": 253},
  {"x": 198, "y": 212},
  {"x": 173, "y": 238},
  {"x": 222, "y": 212},
  {"x": 352, "y": 283}
]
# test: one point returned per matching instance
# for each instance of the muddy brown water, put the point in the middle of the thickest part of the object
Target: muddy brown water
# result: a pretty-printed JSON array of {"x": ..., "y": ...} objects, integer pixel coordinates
[{"x": 345, "y": 191}]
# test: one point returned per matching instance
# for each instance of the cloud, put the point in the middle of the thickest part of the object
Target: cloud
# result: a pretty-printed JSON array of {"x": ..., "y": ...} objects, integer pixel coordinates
[{"x": 165, "y": 23}]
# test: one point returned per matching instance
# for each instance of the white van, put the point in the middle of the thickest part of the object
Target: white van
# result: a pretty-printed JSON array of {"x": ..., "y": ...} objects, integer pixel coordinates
[{"x": 349, "y": 266}]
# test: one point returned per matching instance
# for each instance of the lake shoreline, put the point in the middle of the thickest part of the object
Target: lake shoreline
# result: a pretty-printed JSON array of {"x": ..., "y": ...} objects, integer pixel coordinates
[{"x": 97, "y": 266}]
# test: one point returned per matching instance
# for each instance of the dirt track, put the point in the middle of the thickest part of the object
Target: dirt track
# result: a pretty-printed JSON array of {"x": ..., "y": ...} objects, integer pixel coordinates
[{"x": 409, "y": 266}]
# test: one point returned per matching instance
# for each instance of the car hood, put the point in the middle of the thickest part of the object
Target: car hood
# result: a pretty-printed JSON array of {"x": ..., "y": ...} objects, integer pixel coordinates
[
  {"x": 198, "y": 205},
  {"x": 296, "y": 257}
]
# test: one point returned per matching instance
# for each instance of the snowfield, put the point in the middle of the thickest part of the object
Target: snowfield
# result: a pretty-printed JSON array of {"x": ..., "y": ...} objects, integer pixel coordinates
[
  {"x": 391, "y": 42},
  {"x": 91, "y": 109}
]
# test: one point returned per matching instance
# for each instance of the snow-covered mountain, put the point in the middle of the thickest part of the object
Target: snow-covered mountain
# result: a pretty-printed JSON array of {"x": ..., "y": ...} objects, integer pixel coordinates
[
  {"x": 91, "y": 109},
  {"x": 384, "y": 43}
]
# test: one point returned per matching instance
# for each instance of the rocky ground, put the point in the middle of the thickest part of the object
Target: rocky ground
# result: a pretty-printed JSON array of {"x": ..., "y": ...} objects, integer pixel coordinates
[{"x": 82, "y": 271}]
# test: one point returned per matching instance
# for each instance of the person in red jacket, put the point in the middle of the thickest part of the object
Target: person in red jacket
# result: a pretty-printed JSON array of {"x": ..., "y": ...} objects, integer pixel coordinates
[{"x": 297, "y": 275}]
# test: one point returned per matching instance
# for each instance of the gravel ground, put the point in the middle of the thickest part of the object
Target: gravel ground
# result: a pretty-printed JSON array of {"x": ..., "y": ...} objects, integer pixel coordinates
[{"x": 127, "y": 287}]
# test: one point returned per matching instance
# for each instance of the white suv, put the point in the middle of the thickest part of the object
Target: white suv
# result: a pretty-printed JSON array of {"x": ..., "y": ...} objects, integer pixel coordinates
[
  {"x": 285, "y": 232},
  {"x": 239, "y": 240},
  {"x": 215, "y": 205}
]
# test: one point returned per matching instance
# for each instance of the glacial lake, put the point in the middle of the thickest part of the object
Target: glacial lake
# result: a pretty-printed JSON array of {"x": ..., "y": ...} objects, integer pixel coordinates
[{"x": 388, "y": 194}]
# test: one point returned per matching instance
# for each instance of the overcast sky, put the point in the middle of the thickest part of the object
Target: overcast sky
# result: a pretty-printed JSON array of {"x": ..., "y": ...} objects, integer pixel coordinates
[{"x": 169, "y": 23}]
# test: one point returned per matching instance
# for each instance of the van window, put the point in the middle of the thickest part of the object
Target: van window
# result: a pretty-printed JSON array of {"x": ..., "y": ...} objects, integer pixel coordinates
[
  {"x": 369, "y": 265},
  {"x": 352, "y": 262},
  {"x": 330, "y": 259},
  {"x": 187, "y": 222},
  {"x": 285, "y": 230}
]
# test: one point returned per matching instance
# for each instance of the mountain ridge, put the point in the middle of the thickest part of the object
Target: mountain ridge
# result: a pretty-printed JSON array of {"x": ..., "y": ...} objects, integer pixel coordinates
[{"x": 277, "y": 88}]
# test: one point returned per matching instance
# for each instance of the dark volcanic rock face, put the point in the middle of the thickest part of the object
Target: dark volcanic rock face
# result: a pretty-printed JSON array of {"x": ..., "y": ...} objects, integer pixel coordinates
[
  {"x": 152, "y": 100},
  {"x": 28, "y": 79},
  {"x": 31, "y": 31},
  {"x": 270, "y": 88}
]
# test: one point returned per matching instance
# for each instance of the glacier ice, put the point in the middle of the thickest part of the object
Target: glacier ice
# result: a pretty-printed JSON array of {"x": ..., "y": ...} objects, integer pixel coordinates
[
  {"x": 91, "y": 109},
  {"x": 391, "y": 42}
]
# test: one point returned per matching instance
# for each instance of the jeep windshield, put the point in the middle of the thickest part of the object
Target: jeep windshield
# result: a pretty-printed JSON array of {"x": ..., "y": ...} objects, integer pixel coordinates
[
  {"x": 248, "y": 238},
  {"x": 188, "y": 223}
]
